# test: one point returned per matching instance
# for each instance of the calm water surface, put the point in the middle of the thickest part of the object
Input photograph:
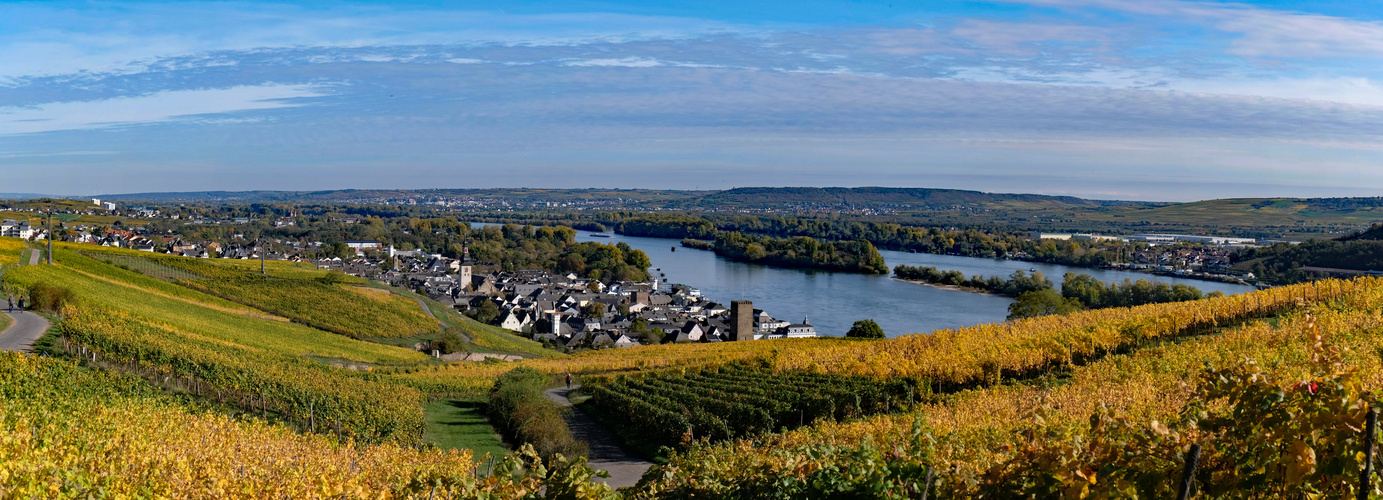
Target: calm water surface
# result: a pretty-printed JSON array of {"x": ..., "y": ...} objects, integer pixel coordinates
[{"x": 834, "y": 301}]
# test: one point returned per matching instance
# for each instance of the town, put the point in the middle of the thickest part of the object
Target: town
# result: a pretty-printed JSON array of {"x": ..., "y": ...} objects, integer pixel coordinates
[
  {"x": 565, "y": 311},
  {"x": 562, "y": 311}
]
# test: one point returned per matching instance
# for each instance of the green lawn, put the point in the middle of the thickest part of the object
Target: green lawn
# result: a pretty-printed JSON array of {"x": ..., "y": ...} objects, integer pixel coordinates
[{"x": 460, "y": 424}]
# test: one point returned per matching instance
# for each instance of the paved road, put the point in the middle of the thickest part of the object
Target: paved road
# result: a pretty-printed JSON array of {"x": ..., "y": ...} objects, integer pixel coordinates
[
  {"x": 21, "y": 335},
  {"x": 34, "y": 255},
  {"x": 606, "y": 452}
]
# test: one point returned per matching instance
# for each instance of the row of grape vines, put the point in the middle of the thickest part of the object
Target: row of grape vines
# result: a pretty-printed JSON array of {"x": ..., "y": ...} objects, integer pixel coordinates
[
  {"x": 1277, "y": 404},
  {"x": 301, "y": 391},
  {"x": 671, "y": 408},
  {"x": 144, "y": 265}
]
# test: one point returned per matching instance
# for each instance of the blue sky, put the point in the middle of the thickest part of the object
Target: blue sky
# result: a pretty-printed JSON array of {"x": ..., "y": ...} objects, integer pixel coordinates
[{"x": 1128, "y": 99}]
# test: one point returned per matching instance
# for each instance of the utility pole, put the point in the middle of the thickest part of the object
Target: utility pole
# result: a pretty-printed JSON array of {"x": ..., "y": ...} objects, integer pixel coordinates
[
  {"x": 261, "y": 257},
  {"x": 50, "y": 237}
]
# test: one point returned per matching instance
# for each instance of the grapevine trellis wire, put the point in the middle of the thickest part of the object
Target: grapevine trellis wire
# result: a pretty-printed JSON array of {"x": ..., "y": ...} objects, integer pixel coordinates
[{"x": 146, "y": 266}]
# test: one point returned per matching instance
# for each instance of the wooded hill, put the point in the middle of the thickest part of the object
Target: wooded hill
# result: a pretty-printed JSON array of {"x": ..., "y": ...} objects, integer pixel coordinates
[{"x": 1245, "y": 217}]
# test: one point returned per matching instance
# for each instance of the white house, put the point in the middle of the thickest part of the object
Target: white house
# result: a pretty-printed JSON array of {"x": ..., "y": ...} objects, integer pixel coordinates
[
  {"x": 514, "y": 321},
  {"x": 800, "y": 330},
  {"x": 12, "y": 229}
]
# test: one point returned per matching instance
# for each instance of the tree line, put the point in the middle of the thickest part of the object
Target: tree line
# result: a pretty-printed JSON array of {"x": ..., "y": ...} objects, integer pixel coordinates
[
  {"x": 1036, "y": 295},
  {"x": 1017, "y": 283},
  {"x": 801, "y": 252}
]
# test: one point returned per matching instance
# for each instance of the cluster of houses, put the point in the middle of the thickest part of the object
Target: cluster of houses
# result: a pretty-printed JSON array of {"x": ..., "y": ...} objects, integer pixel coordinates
[
  {"x": 566, "y": 310},
  {"x": 579, "y": 313},
  {"x": 569, "y": 311}
]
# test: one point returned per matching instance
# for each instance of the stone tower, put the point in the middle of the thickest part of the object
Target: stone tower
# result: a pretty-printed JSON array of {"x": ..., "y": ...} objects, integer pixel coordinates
[{"x": 742, "y": 320}]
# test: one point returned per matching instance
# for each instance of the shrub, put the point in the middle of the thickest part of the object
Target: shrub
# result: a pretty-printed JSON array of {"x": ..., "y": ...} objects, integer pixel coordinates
[
  {"x": 523, "y": 414},
  {"x": 49, "y": 298},
  {"x": 449, "y": 342}
]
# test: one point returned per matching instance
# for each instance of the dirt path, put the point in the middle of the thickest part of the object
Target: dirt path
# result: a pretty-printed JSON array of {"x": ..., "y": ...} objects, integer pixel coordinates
[
  {"x": 426, "y": 309},
  {"x": 34, "y": 255},
  {"x": 606, "y": 452},
  {"x": 27, "y": 328},
  {"x": 440, "y": 323}
]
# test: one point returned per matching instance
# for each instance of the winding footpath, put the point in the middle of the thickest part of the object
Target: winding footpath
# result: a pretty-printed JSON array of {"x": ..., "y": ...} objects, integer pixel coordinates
[
  {"x": 27, "y": 328},
  {"x": 606, "y": 452}
]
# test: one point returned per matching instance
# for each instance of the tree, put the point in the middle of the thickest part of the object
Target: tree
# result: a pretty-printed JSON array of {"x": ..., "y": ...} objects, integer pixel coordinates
[
  {"x": 1041, "y": 303},
  {"x": 865, "y": 329},
  {"x": 593, "y": 310},
  {"x": 487, "y": 312},
  {"x": 543, "y": 325}
]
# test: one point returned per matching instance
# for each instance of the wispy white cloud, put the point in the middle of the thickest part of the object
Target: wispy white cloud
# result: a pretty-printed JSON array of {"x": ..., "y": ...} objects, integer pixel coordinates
[
  {"x": 129, "y": 38},
  {"x": 1259, "y": 32},
  {"x": 626, "y": 62},
  {"x": 152, "y": 108},
  {"x": 17, "y": 155}
]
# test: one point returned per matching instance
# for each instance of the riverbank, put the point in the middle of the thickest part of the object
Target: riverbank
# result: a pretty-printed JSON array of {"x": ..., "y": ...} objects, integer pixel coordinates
[{"x": 976, "y": 291}]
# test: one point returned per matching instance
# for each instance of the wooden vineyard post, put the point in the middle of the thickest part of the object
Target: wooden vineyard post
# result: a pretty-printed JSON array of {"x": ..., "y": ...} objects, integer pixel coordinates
[
  {"x": 1189, "y": 474},
  {"x": 927, "y": 486},
  {"x": 1370, "y": 431}
]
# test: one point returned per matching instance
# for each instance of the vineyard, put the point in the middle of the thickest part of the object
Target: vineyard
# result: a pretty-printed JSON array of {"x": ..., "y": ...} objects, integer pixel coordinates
[
  {"x": 205, "y": 397},
  {"x": 332, "y": 307},
  {"x": 244, "y": 360},
  {"x": 9, "y": 251},
  {"x": 342, "y": 304},
  {"x": 303, "y": 297},
  {"x": 1059, "y": 430},
  {"x": 151, "y": 267},
  {"x": 734, "y": 401},
  {"x": 63, "y": 425}
]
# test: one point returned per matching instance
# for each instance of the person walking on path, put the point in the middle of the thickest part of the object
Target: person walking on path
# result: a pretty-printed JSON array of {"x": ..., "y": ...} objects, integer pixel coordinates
[
  {"x": 11, "y": 309},
  {"x": 568, "y": 380}
]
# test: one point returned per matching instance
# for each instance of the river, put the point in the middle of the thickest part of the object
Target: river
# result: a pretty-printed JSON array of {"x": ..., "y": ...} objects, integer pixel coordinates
[{"x": 833, "y": 301}]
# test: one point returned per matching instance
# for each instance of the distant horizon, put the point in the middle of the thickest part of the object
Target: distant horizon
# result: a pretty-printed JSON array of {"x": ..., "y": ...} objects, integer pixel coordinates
[{"x": 134, "y": 195}]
